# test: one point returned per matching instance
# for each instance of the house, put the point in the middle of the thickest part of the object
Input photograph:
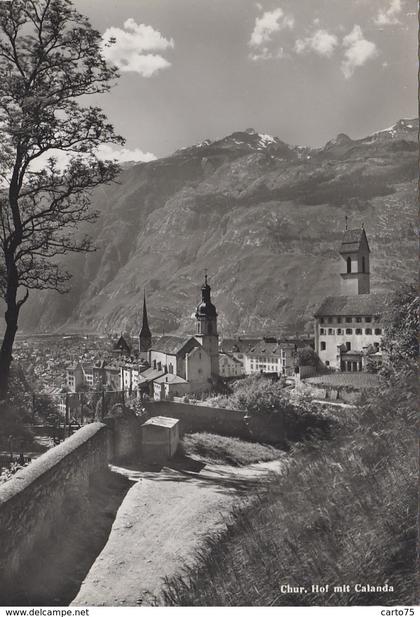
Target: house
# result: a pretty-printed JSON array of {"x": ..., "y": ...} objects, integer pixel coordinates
[
  {"x": 237, "y": 347},
  {"x": 129, "y": 374},
  {"x": 348, "y": 328},
  {"x": 146, "y": 379},
  {"x": 75, "y": 377},
  {"x": 122, "y": 346},
  {"x": 272, "y": 355},
  {"x": 169, "y": 385},
  {"x": 229, "y": 366},
  {"x": 106, "y": 374}
]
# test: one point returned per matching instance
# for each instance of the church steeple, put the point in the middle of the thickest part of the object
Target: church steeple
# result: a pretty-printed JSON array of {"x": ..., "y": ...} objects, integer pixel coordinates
[
  {"x": 355, "y": 251},
  {"x": 145, "y": 336},
  {"x": 206, "y": 316}
]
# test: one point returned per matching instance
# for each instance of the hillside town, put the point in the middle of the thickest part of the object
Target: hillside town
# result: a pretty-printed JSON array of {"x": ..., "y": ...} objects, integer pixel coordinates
[{"x": 346, "y": 343}]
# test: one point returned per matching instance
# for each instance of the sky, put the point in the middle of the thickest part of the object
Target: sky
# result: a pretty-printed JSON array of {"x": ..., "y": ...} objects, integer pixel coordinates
[{"x": 301, "y": 70}]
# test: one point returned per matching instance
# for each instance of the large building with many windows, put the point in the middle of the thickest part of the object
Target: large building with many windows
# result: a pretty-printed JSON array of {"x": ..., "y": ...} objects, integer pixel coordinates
[{"x": 348, "y": 327}]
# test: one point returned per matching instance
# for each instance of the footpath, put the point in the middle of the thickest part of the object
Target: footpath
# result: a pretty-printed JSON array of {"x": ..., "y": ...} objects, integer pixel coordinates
[{"x": 160, "y": 525}]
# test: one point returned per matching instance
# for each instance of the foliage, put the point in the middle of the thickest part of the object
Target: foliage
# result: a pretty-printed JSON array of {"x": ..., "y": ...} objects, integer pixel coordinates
[
  {"x": 211, "y": 448},
  {"x": 306, "y": 356},
  {"x": 344, "y": 513},
  {"x": 400, "y": 343},
  {"x": 6, "y": 473},
  {"x": 259, "y": 396},
  {"x": 50, "y": 58},
  {"x": 15, "y": 413},
  {"x": 44, "y": 406}
]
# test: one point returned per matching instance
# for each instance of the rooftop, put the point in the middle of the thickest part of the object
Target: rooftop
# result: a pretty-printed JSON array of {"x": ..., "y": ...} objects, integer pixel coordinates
[
  {"x": 170, "y": 378},
  {"x": 149, "y": 375},
  {"x": 365, "y": 304},
  {"x": 171, "y": 344},
  {"x": 161, "y": 421},
  {"x": 352, "y": 240}
]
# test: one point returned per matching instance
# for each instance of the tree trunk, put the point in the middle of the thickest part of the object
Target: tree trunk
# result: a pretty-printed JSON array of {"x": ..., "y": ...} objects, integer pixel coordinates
[{"x": 11, "y": 317}]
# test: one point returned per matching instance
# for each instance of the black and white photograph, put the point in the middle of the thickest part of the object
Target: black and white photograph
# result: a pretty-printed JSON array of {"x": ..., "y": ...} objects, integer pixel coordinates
[{"x": 209, "y": 306}]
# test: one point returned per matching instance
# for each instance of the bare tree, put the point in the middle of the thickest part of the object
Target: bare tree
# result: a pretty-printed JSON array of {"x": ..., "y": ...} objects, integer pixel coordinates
[{"x": 50, "y": 57}]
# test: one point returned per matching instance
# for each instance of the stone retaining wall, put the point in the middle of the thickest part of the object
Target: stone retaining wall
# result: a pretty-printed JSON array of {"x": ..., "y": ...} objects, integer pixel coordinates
[
  {"x": 37, "y": 503},
  {"x": 231, "y": 423}
]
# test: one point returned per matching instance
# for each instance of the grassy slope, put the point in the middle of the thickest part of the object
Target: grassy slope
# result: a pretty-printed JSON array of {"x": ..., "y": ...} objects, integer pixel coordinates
[
  {"x": 344, "y": 513},
  {"x": 212, "y": 448}
]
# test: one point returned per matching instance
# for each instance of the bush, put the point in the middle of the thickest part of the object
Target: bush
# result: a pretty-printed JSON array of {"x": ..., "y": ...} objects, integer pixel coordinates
[
  {"x": 344, "y": 513},
  {"x": 212, "y": 448}
]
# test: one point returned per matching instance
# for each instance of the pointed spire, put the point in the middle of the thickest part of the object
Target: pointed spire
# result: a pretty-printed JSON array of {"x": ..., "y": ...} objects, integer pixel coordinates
[
  {"x": 145, "y": 319},
  {"x": 145, "y": 335}
]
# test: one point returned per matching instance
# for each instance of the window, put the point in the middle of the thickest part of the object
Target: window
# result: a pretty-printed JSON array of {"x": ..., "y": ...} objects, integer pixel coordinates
[
  {"x": 321, "y": 320},
  {"x": 358, "y": 319},
  {"x": 330, "y": 320},
  {"x": 330, "y": 331},
  {"x": 376, "y": 346},
  {"x": 348, "y": 265},
  {"x": 376, "y": 318},
  {"x": 327, "y": 362},
  {"x": 349, "y": 331},
  {"x": 322, "y": 331},
  {"x": 358, "y": 330},
  {"x": 348, "y": 345},
  {"x": 348, "y": 320},
  {"x": 368, "y": 331},
  {"x": 378, "y": 331},
  {"x": 323, "y": 346},
  {"x": 154, "y": 364},
  {"x": 368, "y": 319},
  {"x": 339, "y": 331},
  {"x": 363, "y": 264},
  {"x": 338, "y": 319}
]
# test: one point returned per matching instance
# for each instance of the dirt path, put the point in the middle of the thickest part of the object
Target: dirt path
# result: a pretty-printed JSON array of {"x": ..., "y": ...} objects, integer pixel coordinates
[{"x": 159, "y": 526}]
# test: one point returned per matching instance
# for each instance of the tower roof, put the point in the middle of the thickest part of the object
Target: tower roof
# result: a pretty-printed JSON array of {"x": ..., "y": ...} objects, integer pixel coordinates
[
  {"x": 145, "y": 330},
  {"x": 206, "y": 308},
  {"x": 352, "y": 240}
]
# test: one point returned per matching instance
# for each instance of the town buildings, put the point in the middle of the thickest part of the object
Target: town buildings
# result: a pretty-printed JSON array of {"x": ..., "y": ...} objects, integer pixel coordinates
[
  {"x": 272, "y": 355},
  {"x": 348, "y": 327}
]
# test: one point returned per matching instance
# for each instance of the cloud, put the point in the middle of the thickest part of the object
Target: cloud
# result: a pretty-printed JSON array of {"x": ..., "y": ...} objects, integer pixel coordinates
[
  {"x": 358, "y": 51},
  {"x": 321, "y": 42},
  {"x": 268, "y": 24},
  {"x": 134, "y": 48},
  {"x": 104, "y": 152},
  {"x": 265, "y": 54},
  {"x": 124, "y": 155},
  {"x": 389, "y": 16}
]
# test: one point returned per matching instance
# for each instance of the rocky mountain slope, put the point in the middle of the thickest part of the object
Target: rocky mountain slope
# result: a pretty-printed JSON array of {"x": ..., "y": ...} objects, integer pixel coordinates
[{"x": 263, "y": 217}]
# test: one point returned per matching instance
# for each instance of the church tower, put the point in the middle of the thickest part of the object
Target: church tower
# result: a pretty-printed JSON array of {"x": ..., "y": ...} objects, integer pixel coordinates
[
  {"x": 355, "y": 275},
  {"x": 145, "y": 336},
  {"x": 207, "y": 335}
]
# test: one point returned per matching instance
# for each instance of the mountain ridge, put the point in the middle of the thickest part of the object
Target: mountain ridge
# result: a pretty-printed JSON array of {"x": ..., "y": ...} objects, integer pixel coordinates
[{"x": 264, "y": 217}]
